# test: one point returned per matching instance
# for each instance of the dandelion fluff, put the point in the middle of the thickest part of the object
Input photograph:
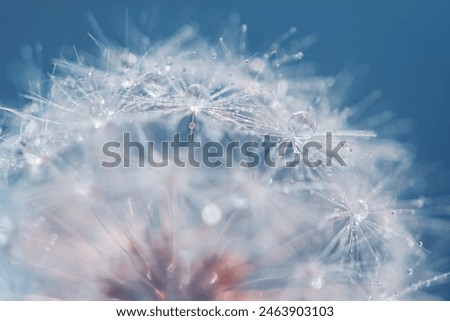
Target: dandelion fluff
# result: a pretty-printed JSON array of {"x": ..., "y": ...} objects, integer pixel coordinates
[{"x": 77, "y": 230}]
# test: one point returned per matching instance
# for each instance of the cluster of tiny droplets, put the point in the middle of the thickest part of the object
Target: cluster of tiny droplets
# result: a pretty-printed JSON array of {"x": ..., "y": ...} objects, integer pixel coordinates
[{"x": 71, "y": 229}]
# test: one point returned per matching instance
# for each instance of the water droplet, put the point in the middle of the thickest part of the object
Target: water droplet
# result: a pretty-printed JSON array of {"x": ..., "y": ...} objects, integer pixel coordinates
[
  {"x": 302, "y": 124},
  {"x": 396, "y": 293},
  {"x": 211, "y": 214},
  {"x": 360, "y": 209},
  {"x": 420, "y": 243},
  {"x": 89, "y": 73},
  {"x": 198, "y": 90},
  {"x": 410, "y": 271},
  {"x": 198, "y": 95},
  {"x": 256, "y": 65},
  {"x": 191, "y": 125},
  {"x": 298, "y": 55}
]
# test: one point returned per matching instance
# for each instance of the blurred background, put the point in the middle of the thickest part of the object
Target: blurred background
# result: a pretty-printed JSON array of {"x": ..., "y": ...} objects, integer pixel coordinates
[{"x": 401, "y": 48}]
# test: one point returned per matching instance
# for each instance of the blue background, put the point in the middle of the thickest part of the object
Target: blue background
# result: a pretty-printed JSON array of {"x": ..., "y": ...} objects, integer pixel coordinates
[{"x": 403, "y": 45}]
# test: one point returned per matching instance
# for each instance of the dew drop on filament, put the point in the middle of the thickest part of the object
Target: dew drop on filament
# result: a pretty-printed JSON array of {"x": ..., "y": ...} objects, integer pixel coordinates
[
  {"x": 302, "y": 124},
  {"x": 360, "y": 210},
  {"x": 197, "y": 94}
]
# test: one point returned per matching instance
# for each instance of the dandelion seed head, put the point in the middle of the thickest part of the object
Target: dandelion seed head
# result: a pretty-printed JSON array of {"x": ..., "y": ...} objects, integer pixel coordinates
[{"x": 173, "y": 233}]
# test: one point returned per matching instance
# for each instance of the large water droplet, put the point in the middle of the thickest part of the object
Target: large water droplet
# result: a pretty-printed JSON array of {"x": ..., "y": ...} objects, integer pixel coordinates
[
  {"x": 155, "y": 85},
  {"x": 302, "y": 124},
  {"x": 197, "y": 95},
  {"x": 360, "y": 209},
  {"x": 198, "y": 90}
]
